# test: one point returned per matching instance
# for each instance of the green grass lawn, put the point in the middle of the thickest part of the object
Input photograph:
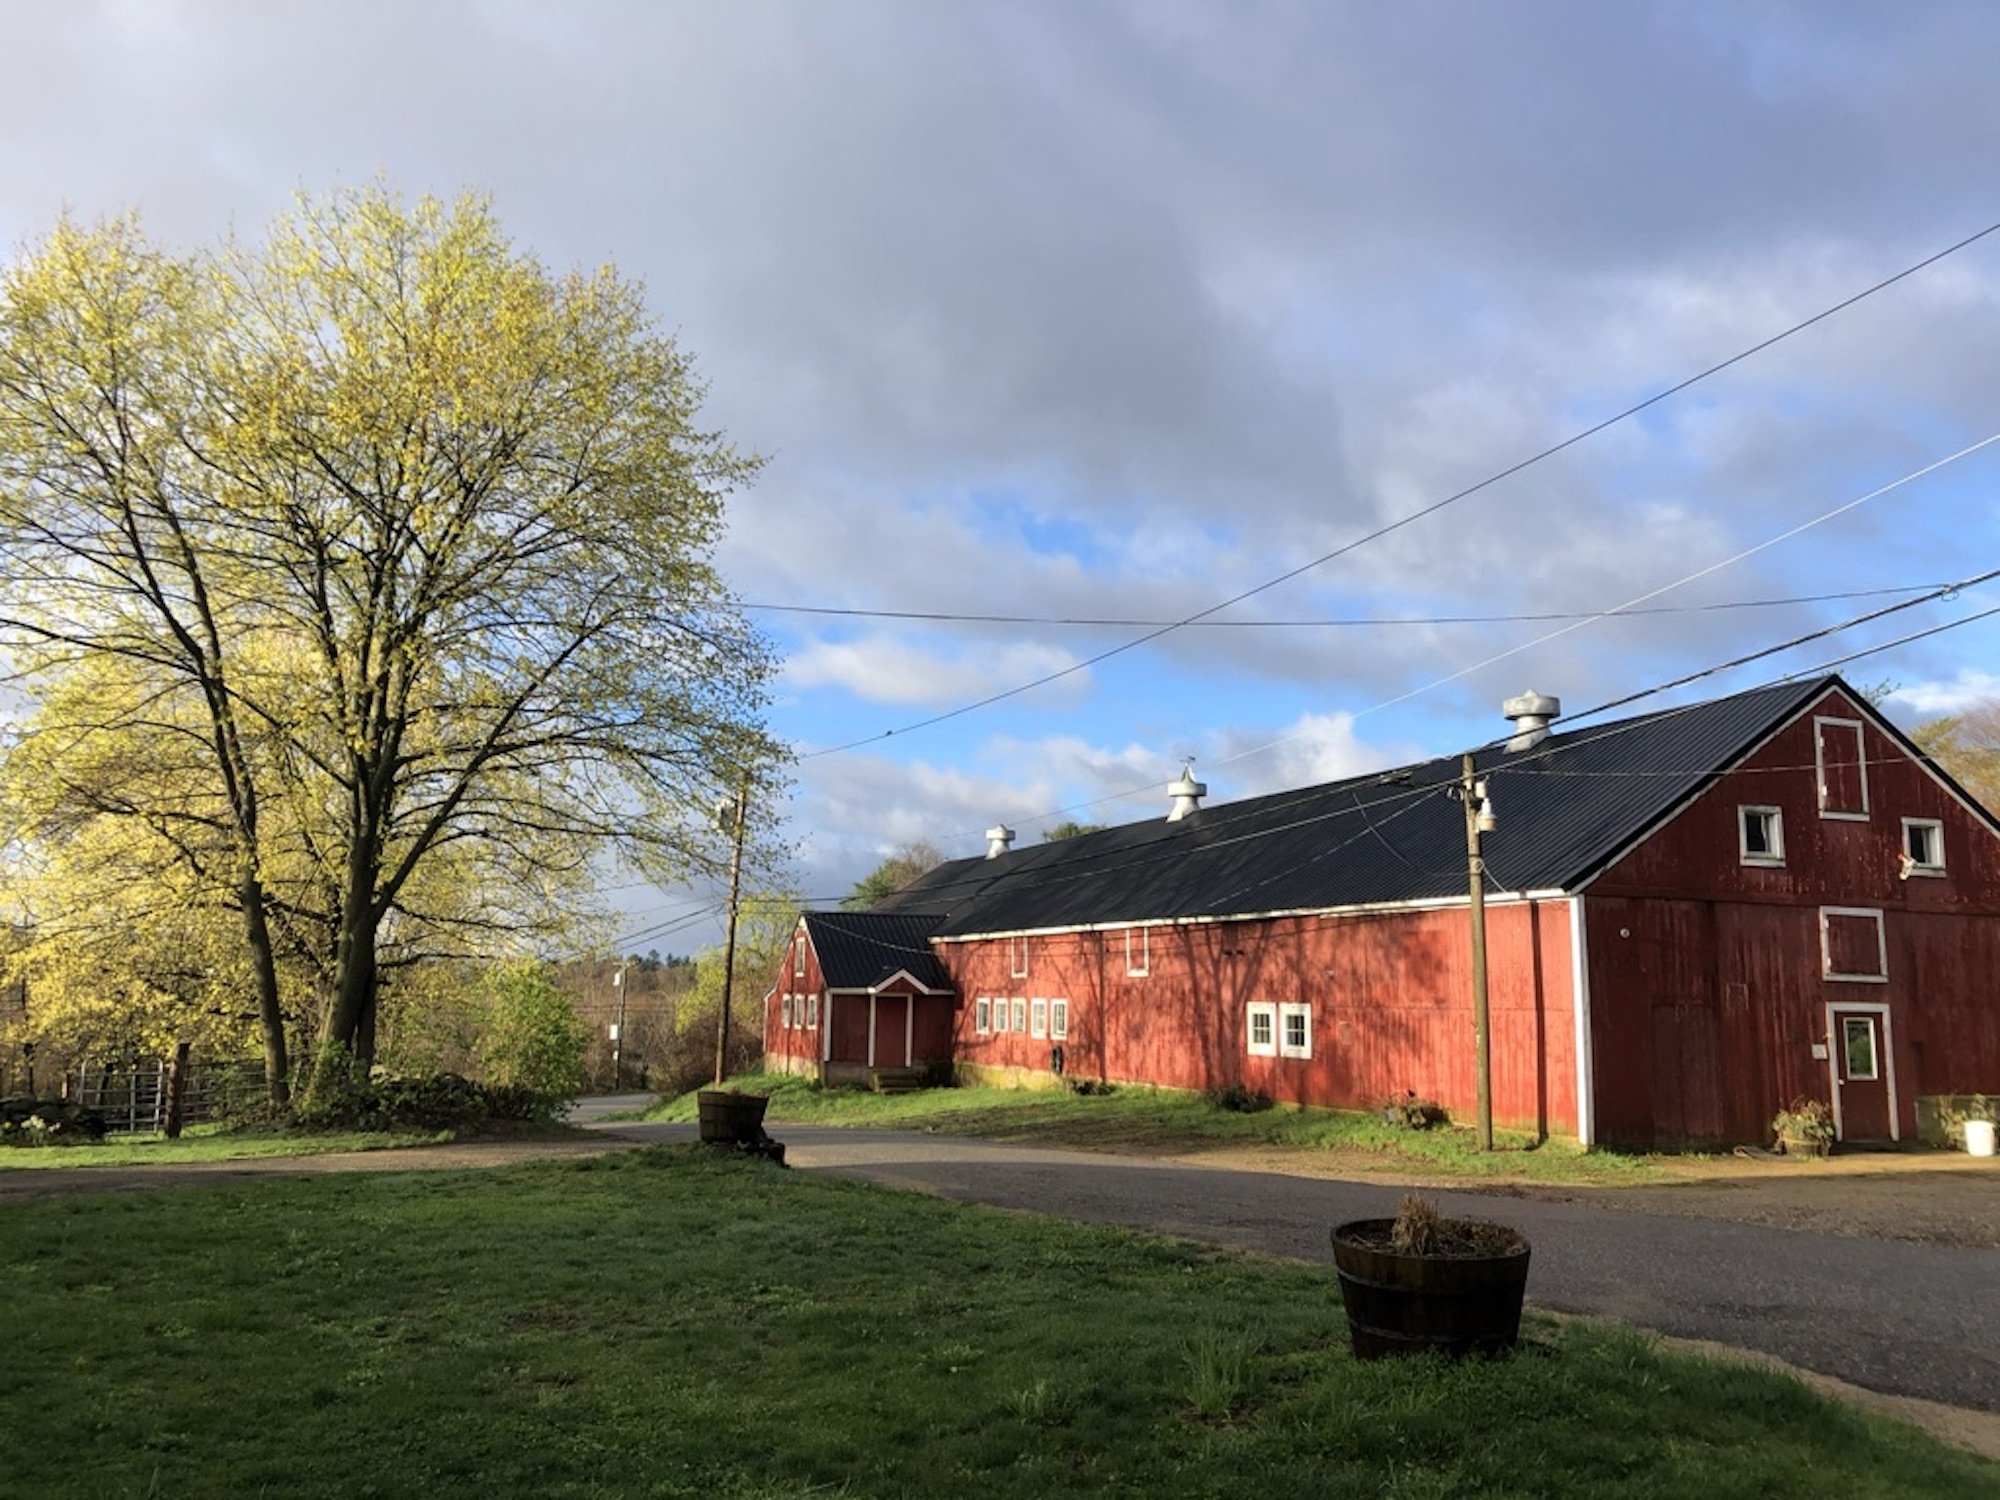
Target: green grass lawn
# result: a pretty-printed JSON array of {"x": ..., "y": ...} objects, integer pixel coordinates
[
  {"x": 210, "y": 1143},
  {"x": 1172, "y": 1122},
  {"x": 670, "y": 1322}
]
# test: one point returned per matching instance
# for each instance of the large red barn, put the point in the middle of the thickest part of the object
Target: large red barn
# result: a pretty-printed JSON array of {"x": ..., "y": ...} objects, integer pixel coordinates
[{"x": 1693, "y": 917}]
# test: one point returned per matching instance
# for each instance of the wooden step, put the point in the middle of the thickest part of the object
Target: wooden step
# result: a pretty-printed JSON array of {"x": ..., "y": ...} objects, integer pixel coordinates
[{"x": 895, "y": 1080}]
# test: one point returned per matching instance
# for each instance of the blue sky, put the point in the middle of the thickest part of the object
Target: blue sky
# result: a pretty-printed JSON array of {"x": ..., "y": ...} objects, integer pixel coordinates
[{"x": 1119, "y": 310}]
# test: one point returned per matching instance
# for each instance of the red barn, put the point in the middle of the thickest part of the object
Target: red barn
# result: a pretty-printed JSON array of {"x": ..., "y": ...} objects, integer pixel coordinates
[{"x": 1693, "y": 917}]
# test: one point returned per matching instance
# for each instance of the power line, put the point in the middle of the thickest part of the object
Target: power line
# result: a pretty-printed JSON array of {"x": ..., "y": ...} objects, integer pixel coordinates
[
  {"x": 946, "y": 617},
  {"x": 1419, "y": 514}
]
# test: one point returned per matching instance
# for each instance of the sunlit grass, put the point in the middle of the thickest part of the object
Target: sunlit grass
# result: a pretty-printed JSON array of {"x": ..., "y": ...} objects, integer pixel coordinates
[
  {"x": 201, "y": 1143},
  {"x": 672, "y": 1322},
  {"x": 1173, "y": 1122}
]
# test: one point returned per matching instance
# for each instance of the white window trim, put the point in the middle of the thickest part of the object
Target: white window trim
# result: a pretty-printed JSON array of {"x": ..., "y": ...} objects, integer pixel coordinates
[
  {"x": 982, "y": 1016},
  {"x": 1059, "y": 1020},
  {"x": 1826, "y": 944},
  {"x": 1847, "y": 1020},
  {"x": 1017, "y": 955},
  {"x": 1860, "y": 761},
  {"x": 1020, "y": 1014},
  {"x": 785, "y": 1014},
  {"x": 1915, "y": 867},
  {"x": 1038, "y": 1018},
  {"x": 812, "y": 1011},
  {"x": 1776, "y": 857},
  {"x": 1887, "y": 1059},
  {"x": 1144, "y": 965},
  {"x": 1285, "y": 1048},
  {"x": 799, "y": 955},
  {"x": 1251, "y": 1012}
]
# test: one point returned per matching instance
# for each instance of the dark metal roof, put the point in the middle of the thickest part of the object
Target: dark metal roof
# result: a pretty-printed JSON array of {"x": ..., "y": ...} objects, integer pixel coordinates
[
  {"x": 1566, "y": 807},
  {"x": 859, "y": 950}
]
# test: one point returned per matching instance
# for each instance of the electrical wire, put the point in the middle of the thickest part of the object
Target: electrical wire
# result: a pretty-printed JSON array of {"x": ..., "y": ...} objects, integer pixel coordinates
[{"x": 1390, "y": 527}]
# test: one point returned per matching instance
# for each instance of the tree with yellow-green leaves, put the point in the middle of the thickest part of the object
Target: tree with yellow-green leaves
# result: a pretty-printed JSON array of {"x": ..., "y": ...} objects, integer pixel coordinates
[{"x": 362, "y": 581}]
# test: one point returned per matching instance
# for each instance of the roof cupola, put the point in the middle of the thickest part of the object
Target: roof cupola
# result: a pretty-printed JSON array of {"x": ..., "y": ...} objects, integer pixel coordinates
[
  {"x": 1531, "y": 713},
  {"x": 1186, "y": 792}
]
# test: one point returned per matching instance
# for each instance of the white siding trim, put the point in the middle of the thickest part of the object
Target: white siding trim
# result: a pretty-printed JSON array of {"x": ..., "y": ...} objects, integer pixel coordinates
[
  {"x": 1579, "y": 984},
  {"x": 1860, "y": 760},
  {"x": 1826, "y": 945},
  {"x": 909, "y": 1029},
  {"x": 871, "y": 1031},
  {"x": 1881, "y": 1009}
]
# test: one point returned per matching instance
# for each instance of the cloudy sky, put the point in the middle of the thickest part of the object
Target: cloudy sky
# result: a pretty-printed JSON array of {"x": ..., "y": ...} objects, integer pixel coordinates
[{"x": 1103, "y": 311}]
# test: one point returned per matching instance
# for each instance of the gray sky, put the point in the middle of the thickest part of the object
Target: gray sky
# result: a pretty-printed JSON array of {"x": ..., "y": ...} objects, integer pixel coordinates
[{"x": 1120, "y": 309}]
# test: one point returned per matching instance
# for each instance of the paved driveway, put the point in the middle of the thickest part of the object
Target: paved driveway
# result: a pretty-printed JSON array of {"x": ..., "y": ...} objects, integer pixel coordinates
[{"x": 1911, "y": 1320}]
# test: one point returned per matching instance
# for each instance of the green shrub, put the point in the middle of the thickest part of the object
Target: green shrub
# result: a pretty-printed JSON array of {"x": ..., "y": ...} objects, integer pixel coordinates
[
  {"x": 48, "y": 1122},
  {"x": 433, "y": 1101},
  {"x": 534, "y": 1040},
  {"x": 1238, "y": 1099},
  {"x": 1410, "y": 1112}
]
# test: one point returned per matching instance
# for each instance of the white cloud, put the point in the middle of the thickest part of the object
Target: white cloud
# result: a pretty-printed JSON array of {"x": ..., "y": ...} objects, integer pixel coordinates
[
  {"x": 885, "y": 668},
  {"x": 1951, "y": 695}
]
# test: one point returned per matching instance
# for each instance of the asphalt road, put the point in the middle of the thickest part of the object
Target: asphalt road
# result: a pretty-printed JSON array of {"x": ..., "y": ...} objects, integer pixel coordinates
[{"x": 1906, "y": 1319}]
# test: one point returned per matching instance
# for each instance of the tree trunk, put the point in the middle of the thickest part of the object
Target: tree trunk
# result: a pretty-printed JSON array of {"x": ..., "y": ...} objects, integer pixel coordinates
[
  {"x": 270, "y": 1009},
  {"x": 177, "y": 1071}
]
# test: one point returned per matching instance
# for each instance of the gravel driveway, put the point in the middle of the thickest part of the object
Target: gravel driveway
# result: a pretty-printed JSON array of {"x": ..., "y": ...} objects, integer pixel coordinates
[{"x": 1906, "y": 1319}]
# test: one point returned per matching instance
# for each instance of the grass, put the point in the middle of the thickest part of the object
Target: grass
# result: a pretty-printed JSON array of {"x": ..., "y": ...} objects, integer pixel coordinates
[
  {"x": 201, "y": 1143},
  {"x": 1171, "y": 1122},
  {"x": 672, "y": 1322}
]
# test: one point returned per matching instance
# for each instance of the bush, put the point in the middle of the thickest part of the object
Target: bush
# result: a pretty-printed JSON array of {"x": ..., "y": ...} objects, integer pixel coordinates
[
  {"x": 534, "y": 1040},
  {"x": 48, "y": 1122},
  {"x": 1089, "y": 1087},
  {"x": 432, "y": 1101},
  {"x": 1238, "y": 1099},
  {"x": 1413, "y": 1113},
  {"x": 1806, "y": 1120}
]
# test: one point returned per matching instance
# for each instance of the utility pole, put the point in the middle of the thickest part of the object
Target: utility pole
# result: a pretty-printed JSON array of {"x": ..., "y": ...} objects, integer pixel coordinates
[
  {"x": 735, "y": 809},
  {"x": 1478, "y": 818},
  {"x": 618, "y": 1031}
]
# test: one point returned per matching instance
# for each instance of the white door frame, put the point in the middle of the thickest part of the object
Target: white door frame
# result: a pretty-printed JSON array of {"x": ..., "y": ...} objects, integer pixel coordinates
[{"x": 1833, "y": 1062}]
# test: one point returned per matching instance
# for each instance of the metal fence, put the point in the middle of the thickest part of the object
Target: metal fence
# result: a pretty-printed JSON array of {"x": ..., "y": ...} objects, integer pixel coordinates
[{"x": 132, "y": 1094}]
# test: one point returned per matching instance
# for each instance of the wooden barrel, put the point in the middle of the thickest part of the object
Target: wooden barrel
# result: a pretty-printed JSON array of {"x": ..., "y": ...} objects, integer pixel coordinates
[
  {"x": 1418, "y": 1304},
  {"x": 729, "y": 1118}
]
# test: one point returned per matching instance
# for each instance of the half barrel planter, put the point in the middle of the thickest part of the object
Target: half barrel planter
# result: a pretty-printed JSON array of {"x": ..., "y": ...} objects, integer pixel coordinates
[
  {"x": 1404, "y": 1304},
  {"x": 729, "y": 1118}
]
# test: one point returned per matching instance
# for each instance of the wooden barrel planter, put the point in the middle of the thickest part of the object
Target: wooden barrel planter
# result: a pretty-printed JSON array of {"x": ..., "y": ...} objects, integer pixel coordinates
[
  {"x": 731, "y": 1119},
  {"x": 1400, "y": 1303}
]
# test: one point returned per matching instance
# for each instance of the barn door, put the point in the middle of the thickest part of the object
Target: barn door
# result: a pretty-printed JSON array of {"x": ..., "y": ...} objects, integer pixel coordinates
[{"x": 1861, "y": 1075}]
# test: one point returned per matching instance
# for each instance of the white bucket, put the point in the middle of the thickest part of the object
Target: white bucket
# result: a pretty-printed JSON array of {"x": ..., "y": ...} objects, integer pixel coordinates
[{"x": 1978, "y": 1137}]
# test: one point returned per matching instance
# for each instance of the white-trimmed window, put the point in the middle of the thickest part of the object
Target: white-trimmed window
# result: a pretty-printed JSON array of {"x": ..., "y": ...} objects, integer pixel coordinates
[
  {"x": 1295, "y": 1031},
  {"x": 799, "y": 956},
  {"x": 1059, "y": 1020},
  {"x": 1038, "y": 1024},
  {"x": 1260, "y": 1027},
  {"x": 1020, "y": 1013},
  {"x": 1017, "y": 954},
  {"x": 982, "y": 1015},
  {"x": 1923, "y": 846},
  {"x": 1138, "y": 952},
  {"x": 1852, "y": 944},
  {"x": 1760, "y": 835},
  {"x": 786, "y": 1023},
  {"x": 1840, "y": 758},
  {"x": 812, "y": 1012}
]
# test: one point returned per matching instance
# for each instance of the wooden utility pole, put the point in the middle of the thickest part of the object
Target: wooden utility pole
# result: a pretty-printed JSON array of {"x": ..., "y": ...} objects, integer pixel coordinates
[
  {"x": 1472, "y": 794},
  {"x": 618, "y": 1031},
  {"x": 739, "y": 811}
]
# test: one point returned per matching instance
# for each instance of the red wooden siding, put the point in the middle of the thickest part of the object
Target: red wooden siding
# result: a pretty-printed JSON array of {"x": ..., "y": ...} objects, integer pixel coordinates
[
  {"x": 1390, "y": 996},
  {"x": 798, "y": 1045},
  {"x": 1708, "y": 989}
]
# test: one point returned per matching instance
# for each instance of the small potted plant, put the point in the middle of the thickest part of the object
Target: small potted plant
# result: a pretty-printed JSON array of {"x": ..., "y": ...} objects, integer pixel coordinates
[
  {"x": 1421, "y": 1283},
  {"x": 1804, "y": 1128}
]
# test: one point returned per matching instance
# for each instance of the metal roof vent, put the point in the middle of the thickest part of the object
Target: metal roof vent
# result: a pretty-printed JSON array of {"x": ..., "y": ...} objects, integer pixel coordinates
[
  {"x": 1187, "y": 794},
  {"x": 999, "y": 839},
  {"x": 1531, "y": 713}
]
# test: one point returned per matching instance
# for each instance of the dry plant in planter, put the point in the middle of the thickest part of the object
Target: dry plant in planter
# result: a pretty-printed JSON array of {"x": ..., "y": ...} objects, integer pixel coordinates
[{"x": 1426, "y": 1283}]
